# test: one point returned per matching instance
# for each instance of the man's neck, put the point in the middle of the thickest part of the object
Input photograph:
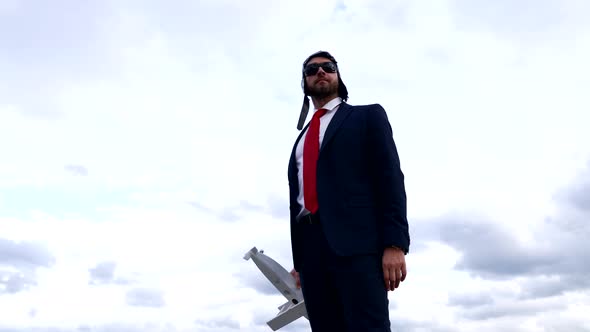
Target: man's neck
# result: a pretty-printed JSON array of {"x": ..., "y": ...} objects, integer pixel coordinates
[{"x": 319, "y": 102}]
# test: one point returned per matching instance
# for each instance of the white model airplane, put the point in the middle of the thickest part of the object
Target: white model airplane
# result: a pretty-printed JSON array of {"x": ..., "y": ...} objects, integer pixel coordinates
[{"x": 285, "y": 283}]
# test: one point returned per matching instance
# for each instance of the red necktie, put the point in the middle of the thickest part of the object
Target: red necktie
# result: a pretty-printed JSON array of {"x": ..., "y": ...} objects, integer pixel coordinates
[{"x": 311, "y": 151}]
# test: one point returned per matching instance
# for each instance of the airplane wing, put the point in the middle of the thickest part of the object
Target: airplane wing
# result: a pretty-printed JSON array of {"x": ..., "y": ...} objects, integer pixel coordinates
[{"x": 288, "y": 312}]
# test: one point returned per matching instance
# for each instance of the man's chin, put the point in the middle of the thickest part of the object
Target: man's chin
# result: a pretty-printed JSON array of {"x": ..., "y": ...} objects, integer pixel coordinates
[{"x": 322, "y": 92}]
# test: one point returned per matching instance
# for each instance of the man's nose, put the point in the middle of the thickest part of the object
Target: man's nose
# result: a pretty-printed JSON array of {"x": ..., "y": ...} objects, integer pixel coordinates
[{"x": 321, "y": 71}]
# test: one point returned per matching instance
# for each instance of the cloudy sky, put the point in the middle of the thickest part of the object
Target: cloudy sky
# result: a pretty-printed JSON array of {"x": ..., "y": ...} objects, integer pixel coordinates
[{"x": 144, "y": 150}]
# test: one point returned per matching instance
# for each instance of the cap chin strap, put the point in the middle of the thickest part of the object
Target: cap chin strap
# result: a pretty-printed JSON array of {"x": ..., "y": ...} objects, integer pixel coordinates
[{"x": 304, "y": 111}]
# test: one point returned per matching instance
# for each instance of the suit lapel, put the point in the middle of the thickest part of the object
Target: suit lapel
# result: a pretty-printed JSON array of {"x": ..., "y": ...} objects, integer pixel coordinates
[
  {"x": 341, "y": 114},
  {"x": 299, "y": 138},
  {"x": 292, "y": 161}
]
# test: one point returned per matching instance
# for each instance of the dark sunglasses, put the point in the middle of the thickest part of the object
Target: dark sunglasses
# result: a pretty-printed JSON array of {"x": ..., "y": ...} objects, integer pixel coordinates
[{"x": 312, "y": 69}]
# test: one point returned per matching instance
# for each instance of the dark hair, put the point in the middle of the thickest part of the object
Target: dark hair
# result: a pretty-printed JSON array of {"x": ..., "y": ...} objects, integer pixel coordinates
[{"x": 342, "y": 91}]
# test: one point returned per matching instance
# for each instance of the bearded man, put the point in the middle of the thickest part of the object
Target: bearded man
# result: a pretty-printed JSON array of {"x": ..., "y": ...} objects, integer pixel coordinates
[{"x": 349, "y": 230}]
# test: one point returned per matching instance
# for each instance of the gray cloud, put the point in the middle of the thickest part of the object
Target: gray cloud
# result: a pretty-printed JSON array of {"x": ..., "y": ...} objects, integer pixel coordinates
[
  {"x": 121, "y": 327},
  {"x": 34, "y": 329},
  {"x": 552, "y": 266},
  {"x": 254, "y": 279},
  {"x": 247, "y": 206},
  {"x": 228, "y": 214},
  {"x": 511, "y": 309},
  {"x": 199, "y": 207},
  {"x": 545, "y": 270},
  {"x": 223, "y": 324},
  {"x": 76, "y": 170},
  {"x": 24, "y": 254},
  {"x": 14, "y": 282},
  {"x": 553, "y": 286},
  {"x": 18, "y": 264},
  {"x": 232, "y": 214},
  {"x": 407, "y": 325},
  {"x": 104, "y": 273},
  {"x": 550, "y": 324},
  {"x": 112, "y": 327},
  {"x": 143, "y": 297},
  {"x": 577, "y": 195},
  {"x": 470, "y": 300},
  {"x": 491, "y": 251}
]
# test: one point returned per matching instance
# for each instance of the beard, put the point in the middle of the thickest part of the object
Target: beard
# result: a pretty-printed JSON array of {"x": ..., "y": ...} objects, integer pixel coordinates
[{"x": 324, "y": 90}]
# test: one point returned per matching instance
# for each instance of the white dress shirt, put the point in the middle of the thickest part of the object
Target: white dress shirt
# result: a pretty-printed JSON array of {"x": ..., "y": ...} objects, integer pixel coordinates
[{"x": 332, "y": 107}]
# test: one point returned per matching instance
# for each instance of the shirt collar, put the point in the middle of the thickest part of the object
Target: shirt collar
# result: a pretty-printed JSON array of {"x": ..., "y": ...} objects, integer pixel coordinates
[{"x": 331, "y": 105}]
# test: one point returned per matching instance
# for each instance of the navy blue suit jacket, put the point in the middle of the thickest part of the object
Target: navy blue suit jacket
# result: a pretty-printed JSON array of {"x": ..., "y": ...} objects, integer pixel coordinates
[{"x": 360, "y": 185}]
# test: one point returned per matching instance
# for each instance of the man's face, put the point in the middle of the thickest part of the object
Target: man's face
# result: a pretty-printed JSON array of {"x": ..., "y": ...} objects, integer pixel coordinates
[{"x": 321, "y": 77}]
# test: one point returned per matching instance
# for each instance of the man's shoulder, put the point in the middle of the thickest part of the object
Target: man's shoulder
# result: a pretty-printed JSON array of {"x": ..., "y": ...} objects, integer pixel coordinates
[
  {"x": 366, "y": 108},
  {"x": 373, "y": 114},
  {"x": 363, "y": 106}
]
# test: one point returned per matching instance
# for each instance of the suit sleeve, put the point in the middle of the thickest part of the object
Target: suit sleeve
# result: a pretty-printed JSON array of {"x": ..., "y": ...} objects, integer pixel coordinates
[
  {"x": 388, "y": 180},
  {"x": 294, "y": 209}
]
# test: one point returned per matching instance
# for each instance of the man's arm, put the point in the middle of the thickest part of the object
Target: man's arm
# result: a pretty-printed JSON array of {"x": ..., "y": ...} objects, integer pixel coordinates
[
  {"x": 388, "y": 180},
  {"x": 391, "y": 196},
  {"x": 294, "y": 209}
]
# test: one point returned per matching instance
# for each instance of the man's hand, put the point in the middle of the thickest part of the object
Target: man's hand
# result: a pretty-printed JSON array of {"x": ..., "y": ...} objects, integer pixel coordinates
[
  {"x": 394, "y": 268},
  {"x": 295, "y": 274}
]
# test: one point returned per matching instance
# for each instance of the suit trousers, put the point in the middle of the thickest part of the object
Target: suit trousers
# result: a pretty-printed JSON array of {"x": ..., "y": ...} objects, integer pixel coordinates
[{"x": 342, "y": 294}]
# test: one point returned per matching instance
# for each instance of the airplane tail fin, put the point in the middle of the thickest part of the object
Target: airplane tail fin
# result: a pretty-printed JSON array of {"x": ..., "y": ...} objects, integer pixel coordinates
[
  {"x": 250, "y": 252},
  {"x": 288, "y": 313}
]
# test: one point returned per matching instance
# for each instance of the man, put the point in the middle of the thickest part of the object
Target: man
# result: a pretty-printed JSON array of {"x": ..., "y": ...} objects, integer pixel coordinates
[{"x": 349, "y": 232}]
